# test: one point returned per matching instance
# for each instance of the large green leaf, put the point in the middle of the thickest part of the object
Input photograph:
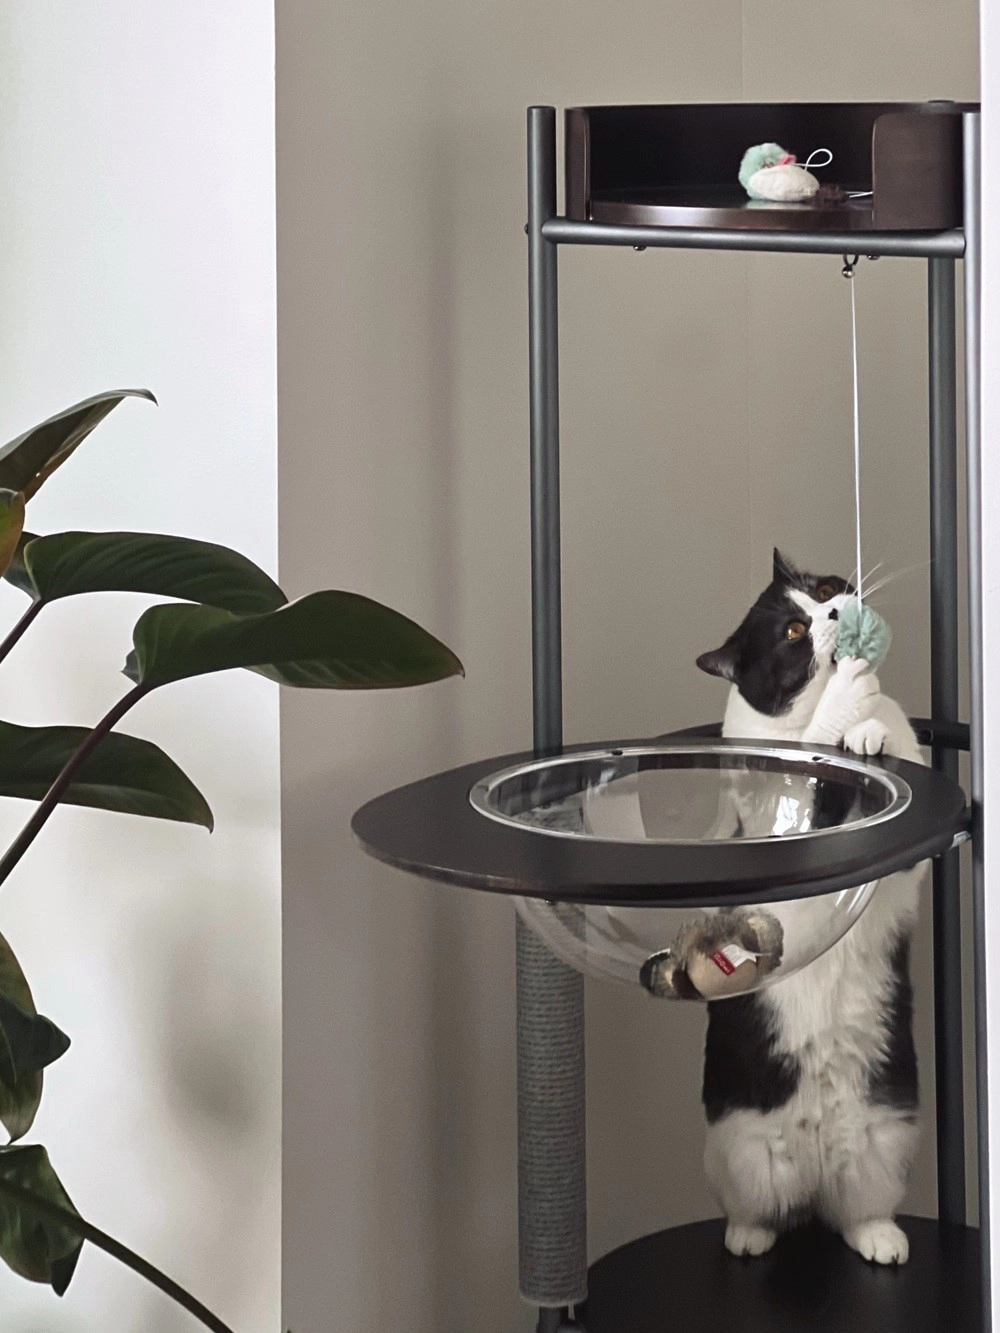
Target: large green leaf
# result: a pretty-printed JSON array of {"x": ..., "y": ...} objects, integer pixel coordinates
[
  {"x": 328, "y": 640},
  {"x": 16, "y": 573},
  {"x": 25, "y": 463},
  {"x": 11, "y": 525},
  {"x": 67, "y": 563},
  {"x": 32, "y": 1042},
  {"x": 34, "y": 1244},
  {"x": 28, "y": 1044},
  {"x": 123, "y": 773}
]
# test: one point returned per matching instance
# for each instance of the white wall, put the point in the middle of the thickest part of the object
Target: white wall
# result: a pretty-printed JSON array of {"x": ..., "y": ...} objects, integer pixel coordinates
[{"x": 137, "y": 215}]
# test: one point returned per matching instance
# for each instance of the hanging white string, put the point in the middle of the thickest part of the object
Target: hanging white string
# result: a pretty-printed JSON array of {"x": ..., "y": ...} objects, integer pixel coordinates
[{"x": 849, "y": 270}]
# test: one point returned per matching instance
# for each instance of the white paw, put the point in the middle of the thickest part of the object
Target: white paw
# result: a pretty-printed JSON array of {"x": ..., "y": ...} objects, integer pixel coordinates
[
  {"x": 851, "y": 696},
  {"x": 851, "y": 668},
  {"x": 861, "y": 688},
  {"x": 868, "y": 737},
  {"x": 880, "y": 1241},
  {"x": 743, "y": 1241}
]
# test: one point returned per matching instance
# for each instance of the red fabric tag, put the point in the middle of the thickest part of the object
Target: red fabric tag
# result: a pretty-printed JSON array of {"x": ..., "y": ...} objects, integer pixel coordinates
[{"x": 722, "y": 963}]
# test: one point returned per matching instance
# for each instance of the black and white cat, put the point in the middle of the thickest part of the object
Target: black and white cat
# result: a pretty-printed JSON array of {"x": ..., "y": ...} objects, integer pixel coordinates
[{"x": 810, "y": 1085}]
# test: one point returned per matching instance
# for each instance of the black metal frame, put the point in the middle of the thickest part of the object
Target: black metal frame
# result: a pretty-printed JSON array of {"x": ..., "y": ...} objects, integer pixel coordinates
[{"x": 546, "y": 232}]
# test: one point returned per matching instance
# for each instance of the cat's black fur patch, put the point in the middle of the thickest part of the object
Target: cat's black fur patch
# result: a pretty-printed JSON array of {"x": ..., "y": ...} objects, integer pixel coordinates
[
  {"x": 743, "y": 1072},
  {"x": 894, "y": 1081},
  {"x": 768, "y": 669},
  {"x": 834, "y": 802}
]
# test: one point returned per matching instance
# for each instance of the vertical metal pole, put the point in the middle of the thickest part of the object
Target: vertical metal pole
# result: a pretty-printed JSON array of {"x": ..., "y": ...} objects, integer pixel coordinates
[
  {"x": 552, "y": 1201},
  {"x": 543, "y": 316},
  {"x": 975, "y": 508},
  {"x": 948, "y": 1031}
]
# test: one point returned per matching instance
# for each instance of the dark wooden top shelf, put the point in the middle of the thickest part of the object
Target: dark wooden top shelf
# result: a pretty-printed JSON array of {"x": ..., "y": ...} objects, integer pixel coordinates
[{"x": 677, "y": 166}]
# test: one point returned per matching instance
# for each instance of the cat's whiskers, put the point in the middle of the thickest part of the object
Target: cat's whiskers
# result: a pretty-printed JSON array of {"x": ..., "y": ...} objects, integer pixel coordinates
[
  {"x": 870, "y": 575},
  {"x": 891, "y": 578}
]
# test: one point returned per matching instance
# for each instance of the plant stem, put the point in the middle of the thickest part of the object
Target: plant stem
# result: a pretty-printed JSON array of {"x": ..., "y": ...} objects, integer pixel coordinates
[
  {"x": 80, "y": 1227},
  {"x": 21, "y": 626},
  {"x": 63, "y": 779}
]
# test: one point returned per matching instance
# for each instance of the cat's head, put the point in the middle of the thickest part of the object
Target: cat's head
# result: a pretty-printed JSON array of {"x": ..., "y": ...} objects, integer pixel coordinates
[{"x": 785, "y": 643}]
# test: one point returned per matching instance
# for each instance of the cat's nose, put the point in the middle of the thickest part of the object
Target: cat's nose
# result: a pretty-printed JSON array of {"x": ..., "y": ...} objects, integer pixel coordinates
[{"x": 834, "y": 614}]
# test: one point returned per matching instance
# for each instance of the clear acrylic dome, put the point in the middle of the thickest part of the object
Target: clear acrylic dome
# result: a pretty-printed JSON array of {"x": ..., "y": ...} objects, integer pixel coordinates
[
  {"x": 680, "y": 796},
  {"x": 696, "y": 953}
]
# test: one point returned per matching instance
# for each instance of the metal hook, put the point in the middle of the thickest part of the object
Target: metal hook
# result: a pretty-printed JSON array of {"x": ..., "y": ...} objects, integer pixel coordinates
[{"x": 850, "y": 265}]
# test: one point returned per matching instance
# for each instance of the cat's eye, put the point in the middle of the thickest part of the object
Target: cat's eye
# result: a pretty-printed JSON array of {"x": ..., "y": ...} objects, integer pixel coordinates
[
  {"x": 824, "y": 592},
  {"x": 796, "y": 630}
]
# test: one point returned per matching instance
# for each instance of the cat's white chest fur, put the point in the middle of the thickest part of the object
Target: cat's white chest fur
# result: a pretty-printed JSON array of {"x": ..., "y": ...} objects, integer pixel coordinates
[
  {"x": 829, "y": 1151},
  {"x": 831, "y": 1017}
]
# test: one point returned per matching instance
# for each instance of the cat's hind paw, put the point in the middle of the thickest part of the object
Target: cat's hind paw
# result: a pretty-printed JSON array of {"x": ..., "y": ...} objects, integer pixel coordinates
[
  {"x": 748, "y": 1242},
  {"x": 868, "y": 737},
  {"x": 880, "y": 1241}
]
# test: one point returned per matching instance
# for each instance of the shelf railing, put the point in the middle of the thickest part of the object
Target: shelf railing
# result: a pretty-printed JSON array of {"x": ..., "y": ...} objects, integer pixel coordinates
[{"x": 913, "y": 245}]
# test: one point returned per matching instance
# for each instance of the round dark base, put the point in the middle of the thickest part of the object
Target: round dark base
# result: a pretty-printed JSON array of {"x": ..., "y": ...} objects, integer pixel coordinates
[{"x": 684, "y": 1280}]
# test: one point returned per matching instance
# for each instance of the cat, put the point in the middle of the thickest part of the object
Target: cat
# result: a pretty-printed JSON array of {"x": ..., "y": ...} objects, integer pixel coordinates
[{"x": 810, "y": 1085}]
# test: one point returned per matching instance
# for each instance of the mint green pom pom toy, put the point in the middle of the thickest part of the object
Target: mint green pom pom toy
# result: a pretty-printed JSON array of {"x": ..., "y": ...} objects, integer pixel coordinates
[
  {"x": 761, "y": 156},
  {"x": 861, "y": 632},
  {"x": 769, "y": 172}
]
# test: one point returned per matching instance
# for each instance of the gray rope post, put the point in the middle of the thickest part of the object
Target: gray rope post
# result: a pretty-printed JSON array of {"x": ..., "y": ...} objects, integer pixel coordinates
[
  {"x": 949, "y": 1065},
  {"x": 552, "y": 1203},
  {"x": 971, "y": 125}
]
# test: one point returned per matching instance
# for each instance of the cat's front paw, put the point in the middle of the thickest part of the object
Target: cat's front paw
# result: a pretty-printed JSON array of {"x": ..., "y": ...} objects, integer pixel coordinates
[
  {"x": 867, "y": 737},
  {"x": 880, "y": 1241},
  {"x": 850, "y": 698},
  {"x": 749, "y": 1242},
  {"x": 854, "y": 691}
]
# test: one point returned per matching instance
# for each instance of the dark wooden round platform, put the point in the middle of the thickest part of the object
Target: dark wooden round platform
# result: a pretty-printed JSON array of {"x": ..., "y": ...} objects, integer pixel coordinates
[
  {"x": 684, "y": 1280},
  {"x": 430, "y": 829},
  {"x": 728, "y": 207}
]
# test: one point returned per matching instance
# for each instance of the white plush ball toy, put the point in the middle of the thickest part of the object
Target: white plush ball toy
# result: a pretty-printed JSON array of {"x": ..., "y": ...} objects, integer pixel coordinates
[{"x": 769, "y": 172}]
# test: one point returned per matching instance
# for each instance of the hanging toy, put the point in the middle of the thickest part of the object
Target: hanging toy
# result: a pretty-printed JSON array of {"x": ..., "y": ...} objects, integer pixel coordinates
[
  {"x": 861, "y": 631},
  {"x": 770, "y": 172}
]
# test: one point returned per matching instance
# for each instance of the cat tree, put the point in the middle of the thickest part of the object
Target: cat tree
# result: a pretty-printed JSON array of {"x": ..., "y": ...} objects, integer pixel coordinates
[{"x": 662, "y": 177}]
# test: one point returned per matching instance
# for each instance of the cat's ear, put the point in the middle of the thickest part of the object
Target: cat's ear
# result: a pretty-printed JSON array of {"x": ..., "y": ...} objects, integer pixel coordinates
[
  {"x": 721, "y": 662},
  {"x": 782, "y": 569}
]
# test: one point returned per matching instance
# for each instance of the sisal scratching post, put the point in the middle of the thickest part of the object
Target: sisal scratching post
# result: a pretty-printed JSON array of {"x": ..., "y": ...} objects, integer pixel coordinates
[{"x": 552, "y": 1200}]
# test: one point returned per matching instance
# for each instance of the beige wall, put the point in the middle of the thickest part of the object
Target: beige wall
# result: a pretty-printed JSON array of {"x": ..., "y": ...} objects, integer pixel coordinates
[{"x": 705, "y": 409}]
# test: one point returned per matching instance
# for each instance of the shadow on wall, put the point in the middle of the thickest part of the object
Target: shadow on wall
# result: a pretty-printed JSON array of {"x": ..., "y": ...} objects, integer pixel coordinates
[
  {"x": 212, "y": 1056},
  {"x": 192, "y": 1011},
  {"x": 404, "y": 1022},
  {"x": 423, "y": 972}
]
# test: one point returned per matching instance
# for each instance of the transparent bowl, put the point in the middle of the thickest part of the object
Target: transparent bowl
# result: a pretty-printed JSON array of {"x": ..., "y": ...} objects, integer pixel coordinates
[
  {"x": 678, "y": 795},
  {"x": 696, "y": 953}
]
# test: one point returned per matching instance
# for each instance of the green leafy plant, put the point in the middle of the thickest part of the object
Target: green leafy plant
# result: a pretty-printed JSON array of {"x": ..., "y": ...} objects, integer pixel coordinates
[{"x": 226, "y": 614}]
